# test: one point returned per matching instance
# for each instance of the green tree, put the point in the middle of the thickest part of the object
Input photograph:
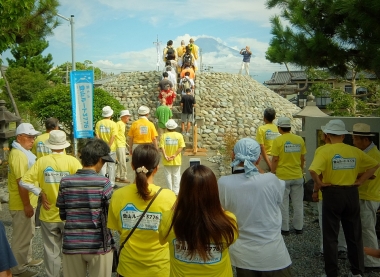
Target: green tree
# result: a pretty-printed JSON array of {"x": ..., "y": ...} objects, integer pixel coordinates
[
  {"x": 56, "y": 102},
  {"x": 336, "y": 35},
  {"x": 61, "y": 74},
  {"x": 25, "y": 84},
  {"x": 29, "y": 55},
  {"x": 25, "y": 20}
]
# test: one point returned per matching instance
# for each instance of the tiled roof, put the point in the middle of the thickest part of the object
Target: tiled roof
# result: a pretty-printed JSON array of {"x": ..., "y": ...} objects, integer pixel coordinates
[{"x": 282, "y": 77}]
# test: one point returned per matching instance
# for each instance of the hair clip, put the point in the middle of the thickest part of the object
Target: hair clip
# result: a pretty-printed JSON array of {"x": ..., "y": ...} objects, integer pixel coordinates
[{"x": 141, "y": 169}]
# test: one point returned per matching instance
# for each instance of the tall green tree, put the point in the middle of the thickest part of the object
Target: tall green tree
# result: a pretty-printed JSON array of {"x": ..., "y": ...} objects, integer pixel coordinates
[
  {"x": 25, "y": 84},
  {"x": 29, "y": 55},
  {"x": 335, "y": 34},
  {"x": 26, "y": 20}
]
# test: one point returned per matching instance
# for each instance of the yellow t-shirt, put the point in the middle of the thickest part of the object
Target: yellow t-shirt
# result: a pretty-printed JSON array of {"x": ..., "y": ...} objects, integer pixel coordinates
[
  {"x": 49, "y": 171},
  {"x": 17, "y": 167},
  {"x": 370, "y": 189},
  {"x": 320, "y": 197},
  {"x": 288, "y": 148},
  {"x": 142, "y": 255},
  {"x": 121, "y": 141},
  {"x": 265, "y": 135},
  {"x": 105, "y": 129},
  {"x": 340, "y": 163},
  {"x": 171, "y": 141},
  {"x": 181, "y": 264},
  {"x": 142, "y": 131},
  {"x": 39, "y": 149}
]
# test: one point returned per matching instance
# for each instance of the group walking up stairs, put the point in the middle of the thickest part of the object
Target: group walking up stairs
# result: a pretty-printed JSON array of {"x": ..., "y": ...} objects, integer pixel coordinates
[{"x": 225, "y": 103}]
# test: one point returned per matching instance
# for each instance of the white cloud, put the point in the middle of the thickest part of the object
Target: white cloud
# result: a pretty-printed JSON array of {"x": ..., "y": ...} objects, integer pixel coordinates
[
  {"x": 199, "y": 9},
  {"x": 223, "y": 61}
]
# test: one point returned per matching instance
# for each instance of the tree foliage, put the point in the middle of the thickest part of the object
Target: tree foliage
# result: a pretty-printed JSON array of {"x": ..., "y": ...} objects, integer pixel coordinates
[
  {"x": 25, "y": 84},
  {"x": 56, "y": 102},
  {"x": 61, "y": 72},
  {"x": 26, "y": 20},
  {"x": 339, "y": 35},
  {"x": 29, "y": 55}
]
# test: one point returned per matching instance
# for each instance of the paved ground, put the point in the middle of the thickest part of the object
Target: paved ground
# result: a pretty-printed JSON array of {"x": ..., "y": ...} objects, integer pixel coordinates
[{"x": 159, "y": 178}]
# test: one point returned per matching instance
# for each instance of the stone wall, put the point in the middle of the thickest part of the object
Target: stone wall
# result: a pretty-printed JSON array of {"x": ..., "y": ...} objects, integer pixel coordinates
[{"x": 225, "y": 102}]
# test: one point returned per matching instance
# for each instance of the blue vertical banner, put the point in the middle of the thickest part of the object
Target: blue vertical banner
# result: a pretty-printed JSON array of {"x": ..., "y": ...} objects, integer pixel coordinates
[{"x": 82, "y": 99}]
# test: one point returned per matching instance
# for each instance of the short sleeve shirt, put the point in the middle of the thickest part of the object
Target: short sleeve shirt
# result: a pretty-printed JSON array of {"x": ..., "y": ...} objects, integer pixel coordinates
[
  {"x": 289, "y": 148},
  {"x": 265, "y": 135},
  {"x": 171, "y": 141},
  {"x": 187, "y": 102},
  {"x": 142, "y": 131},
  {"x": 105, "y": 129},
  {"x": 340, "y": 163},
  {"x": 120, "y": 136},
  {"x": 17, "y": 167}
]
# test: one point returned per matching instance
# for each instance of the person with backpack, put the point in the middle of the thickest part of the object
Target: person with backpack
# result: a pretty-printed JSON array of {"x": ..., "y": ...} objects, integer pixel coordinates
[
  {"x": 186, "y": 83},
  {"x": 190, "y": 69},
  {"x": 188, "y": 58},
  {"x": 170, "y": 54}
]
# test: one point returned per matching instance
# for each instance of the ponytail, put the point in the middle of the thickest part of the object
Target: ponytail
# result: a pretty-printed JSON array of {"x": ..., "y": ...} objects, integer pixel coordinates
[{"x": 145, "y": 159}]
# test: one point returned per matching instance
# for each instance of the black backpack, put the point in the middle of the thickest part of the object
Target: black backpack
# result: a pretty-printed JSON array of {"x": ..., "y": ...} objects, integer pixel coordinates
[
  {"x": 187, "y": 59},
  {"x": 170, "y": 54}
]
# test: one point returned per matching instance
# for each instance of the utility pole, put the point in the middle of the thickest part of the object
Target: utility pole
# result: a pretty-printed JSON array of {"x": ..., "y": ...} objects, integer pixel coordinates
[
  {"x": 200, "y": 60},
  {"x": 158, "y": 44}
]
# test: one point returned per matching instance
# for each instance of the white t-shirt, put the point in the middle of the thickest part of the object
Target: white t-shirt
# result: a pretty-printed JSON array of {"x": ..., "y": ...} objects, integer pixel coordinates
[{"x": 256, "y": 203}]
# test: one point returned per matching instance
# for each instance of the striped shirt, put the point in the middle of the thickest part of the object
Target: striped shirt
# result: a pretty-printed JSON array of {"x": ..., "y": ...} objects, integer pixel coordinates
[{"x": 80, "y": 204}]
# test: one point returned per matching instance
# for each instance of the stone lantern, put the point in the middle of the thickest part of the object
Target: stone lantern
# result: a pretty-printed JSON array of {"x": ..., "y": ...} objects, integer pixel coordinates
[
  {"x": 6, "y": 117},
  {"x": 310, "y": 110}
]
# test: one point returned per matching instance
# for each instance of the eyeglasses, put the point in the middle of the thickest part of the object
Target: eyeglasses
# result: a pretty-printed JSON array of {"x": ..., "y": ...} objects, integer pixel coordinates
[{"x": 29, "y": 137}]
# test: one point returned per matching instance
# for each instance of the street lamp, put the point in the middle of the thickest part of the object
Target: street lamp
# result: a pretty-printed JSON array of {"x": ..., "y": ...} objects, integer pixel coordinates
[{"x": 71, "y": 20}]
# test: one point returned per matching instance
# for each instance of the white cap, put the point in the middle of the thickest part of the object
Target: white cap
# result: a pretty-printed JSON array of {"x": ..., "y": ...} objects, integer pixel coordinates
[
  {"x": 143, "y": 110},
  {"x": 57, "y": 140},
  {"x": 107, "y": 111},
  {"x": 26, "y": 128},
  {"x": 283, "y": 122},
  {"x": 124, "y": 112}
]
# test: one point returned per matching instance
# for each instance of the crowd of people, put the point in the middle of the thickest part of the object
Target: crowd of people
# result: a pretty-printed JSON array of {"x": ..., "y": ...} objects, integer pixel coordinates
[{"x": 199, "y": 226}]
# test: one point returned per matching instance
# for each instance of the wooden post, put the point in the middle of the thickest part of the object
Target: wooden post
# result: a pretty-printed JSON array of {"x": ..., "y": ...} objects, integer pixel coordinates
[{"x": 195, "y": 139}]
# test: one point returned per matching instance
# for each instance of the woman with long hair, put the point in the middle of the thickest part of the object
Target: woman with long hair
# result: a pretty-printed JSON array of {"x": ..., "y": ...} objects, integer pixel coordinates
[
  {"x": 197, "y": 229},
  {"x": 142, "y": 255}
]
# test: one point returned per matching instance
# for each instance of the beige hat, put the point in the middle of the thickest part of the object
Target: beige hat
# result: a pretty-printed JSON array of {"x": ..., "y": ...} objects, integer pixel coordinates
[
  {"x": 107, "y": 111},
  {"x": 57, "y": 140},
  {"x": 124, "y": 112},
  {"x": 362, "y": 129},
  {"x": 191, "y": 40},
  {"x": 143, "y": 110}
]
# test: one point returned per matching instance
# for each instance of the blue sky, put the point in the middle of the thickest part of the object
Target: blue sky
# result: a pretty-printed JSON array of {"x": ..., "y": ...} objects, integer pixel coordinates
[{"x": 118, "y": 35}]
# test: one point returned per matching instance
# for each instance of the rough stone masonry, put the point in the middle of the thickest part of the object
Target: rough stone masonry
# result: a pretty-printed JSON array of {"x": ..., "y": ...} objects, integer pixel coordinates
[{"x": 225, "y": 102}]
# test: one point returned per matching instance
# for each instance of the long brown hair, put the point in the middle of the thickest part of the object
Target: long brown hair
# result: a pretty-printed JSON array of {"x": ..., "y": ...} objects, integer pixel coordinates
[
  {"x": 198, "y": 217},
  {"x": 144, "y": 157}
]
